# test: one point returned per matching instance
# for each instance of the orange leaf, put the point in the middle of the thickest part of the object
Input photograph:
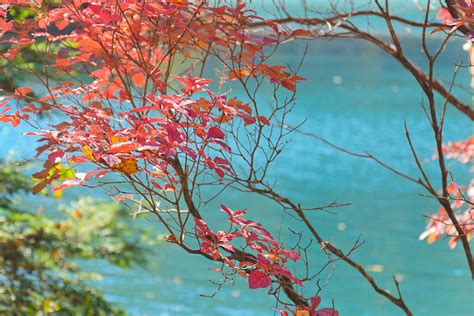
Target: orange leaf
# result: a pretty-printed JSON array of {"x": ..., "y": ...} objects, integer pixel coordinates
[
  {"x": 138, "y": 79},
  {"x": 300, "y": 32},
  {"x": 23, "y": 91},
  {"x": 432, "y": 238},
  {"x": 128, "y": 166},
  {"x": 263, "y": 120},
  {"x": 452, "y": 187}
]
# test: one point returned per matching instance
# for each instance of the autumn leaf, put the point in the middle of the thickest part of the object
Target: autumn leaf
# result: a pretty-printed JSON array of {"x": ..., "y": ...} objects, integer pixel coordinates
[
  {"x": 128, "y": 166},
  {"x": 258, "y": 279},
  {"x": 76, "y": 214},
  {"x": 138, "y": 79},
  {"x": 88, "y": 153},
  {"x": 23, "y": 91},
  {"x": 301, "y": 33},
  {"x": 215, "y": 132},
  {"x": 124, "y": 147},
  {"x": 263, "y": 120}
]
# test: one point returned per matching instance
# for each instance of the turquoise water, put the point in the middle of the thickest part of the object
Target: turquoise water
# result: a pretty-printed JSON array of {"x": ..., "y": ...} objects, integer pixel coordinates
[{"x": 364, "y": 112}]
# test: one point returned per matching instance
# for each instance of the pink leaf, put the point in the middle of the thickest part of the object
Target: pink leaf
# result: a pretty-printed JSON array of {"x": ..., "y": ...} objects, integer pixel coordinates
[
  {"x": 291, "y": 254},
  {"x": 67, "y": 184},
  {"x": 111, "y": 160},
  {"x": 327, "y": 312},
  {"x": 443, "y": 14},
  {"x": 123, "y": 147},
  {"x": 122, "y": 198}
]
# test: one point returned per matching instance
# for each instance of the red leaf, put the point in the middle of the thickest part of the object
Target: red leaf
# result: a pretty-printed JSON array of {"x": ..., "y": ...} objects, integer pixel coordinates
[
  {"x": 221, "y": 161},
  {"x": 169, "y": 187},
  {"x": 258, "y": 279},
  {"x": 315, "y": 301},
  {"x": 142, "y": 109},
  {"x": 97, "y": 9},
  {"x": 215, "y": 132},
  {"x": 157, "y": 185},
  {"x": 441, "y": 28},
  {"x": 219, "y": 172},
  {"x": 290, "y": 85}
]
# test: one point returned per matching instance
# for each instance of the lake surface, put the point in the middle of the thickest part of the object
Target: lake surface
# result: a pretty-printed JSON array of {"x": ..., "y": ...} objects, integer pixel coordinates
[{"x": 359, "y": 98}]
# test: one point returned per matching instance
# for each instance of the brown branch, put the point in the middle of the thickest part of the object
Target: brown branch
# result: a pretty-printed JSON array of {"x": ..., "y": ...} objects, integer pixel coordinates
[
  {"x": 338, "y": 17},
  {"x": 451, "y": 6},
  {"x": 398, "y": 301},
  {"x": 239, "y": 255},
  {"x": 359, "y": 155},
  {"x": 417, "y": 72}
]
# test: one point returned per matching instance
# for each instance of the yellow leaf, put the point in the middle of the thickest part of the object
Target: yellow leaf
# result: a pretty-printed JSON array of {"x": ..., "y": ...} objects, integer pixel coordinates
[
  {"x": 128, "y": 166},
  {"x": 58, "y": 194},
  {"x": 273, "y": 258},
  {"x": 117, "y": 139},
  {"x": 88, "y": 153},
  {"x": 76, "y": 214},
  {"x": 239, "y": 73}
]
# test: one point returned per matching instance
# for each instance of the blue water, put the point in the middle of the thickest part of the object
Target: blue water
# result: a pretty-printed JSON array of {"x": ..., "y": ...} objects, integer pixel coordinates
[{"x": 364, "y": 112}]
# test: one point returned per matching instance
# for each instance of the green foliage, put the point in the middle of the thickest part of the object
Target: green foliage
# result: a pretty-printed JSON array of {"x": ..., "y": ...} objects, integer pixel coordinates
[
  {"x": 19, "y": 14},
  {"x": 12, "y": 182},
  {"x": 38, "y": 273}
]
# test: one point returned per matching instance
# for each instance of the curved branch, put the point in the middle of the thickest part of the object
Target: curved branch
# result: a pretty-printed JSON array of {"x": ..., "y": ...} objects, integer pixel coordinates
[
  {"x": 338, "y": 17},
  {"x": 268, "y": 192},
  {"x": 239, "y": 255},
  {"x": 417, "y": 72}
]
